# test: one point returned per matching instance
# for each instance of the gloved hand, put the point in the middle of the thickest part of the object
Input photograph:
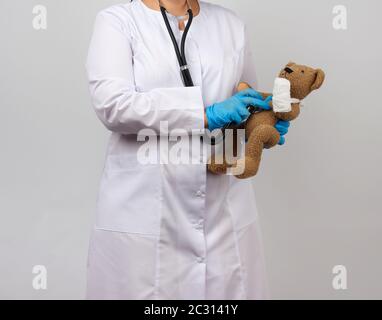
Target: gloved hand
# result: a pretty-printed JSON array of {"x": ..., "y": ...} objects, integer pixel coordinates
[
  {"x": 234, "y": 110},
  {"x": 282, "y": 127}
]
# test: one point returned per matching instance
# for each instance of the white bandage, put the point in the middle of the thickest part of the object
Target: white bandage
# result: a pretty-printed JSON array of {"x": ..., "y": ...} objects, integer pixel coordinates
[{"x": 282, "y": 102}]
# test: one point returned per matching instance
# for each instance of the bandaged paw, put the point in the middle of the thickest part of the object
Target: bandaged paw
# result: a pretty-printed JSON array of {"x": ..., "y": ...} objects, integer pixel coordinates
[{"x": 282, "y": 101}]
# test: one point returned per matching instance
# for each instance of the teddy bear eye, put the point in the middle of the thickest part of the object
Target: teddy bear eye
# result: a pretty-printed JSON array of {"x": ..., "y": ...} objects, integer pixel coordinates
[{"x": 302, "y": 71}]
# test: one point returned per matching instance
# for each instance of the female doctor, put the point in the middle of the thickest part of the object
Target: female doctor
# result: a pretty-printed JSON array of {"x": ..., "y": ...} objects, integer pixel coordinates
[{"x": 166, "y": 230}]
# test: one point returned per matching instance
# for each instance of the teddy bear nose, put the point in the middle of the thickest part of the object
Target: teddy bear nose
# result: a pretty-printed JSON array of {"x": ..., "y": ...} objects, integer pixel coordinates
[{"x": 288, "y": 70}]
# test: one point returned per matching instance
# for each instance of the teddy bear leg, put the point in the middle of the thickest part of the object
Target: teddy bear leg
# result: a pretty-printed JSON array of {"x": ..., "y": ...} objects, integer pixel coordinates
[
  {"x": 217, "y": 165},
  {"x": 270, "y": 136},
  {"x": 220, "y": 162},
  {"x": 263, "y": 136},
  {"x": 247, "y": 166}
]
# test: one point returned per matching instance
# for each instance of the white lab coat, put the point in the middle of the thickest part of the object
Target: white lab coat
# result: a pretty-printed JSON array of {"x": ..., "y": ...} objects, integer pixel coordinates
[{"x": 169, "y": 231}]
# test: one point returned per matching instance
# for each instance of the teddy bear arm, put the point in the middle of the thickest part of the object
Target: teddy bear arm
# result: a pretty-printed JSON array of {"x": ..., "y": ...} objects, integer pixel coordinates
[
  {"x": 266, "y": 95},
  {"x": 291, "y": 115}
]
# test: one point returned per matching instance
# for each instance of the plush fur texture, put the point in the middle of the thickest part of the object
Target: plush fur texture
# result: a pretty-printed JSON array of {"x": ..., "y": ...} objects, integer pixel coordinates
[{"x": 259, "y": 128}]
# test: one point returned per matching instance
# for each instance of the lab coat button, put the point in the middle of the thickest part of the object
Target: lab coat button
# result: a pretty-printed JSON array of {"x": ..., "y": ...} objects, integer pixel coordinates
[
  {"x": 200, "y": 259},
  {"x": 199, "y": 193},
  {"x": 200, "y": 224}
]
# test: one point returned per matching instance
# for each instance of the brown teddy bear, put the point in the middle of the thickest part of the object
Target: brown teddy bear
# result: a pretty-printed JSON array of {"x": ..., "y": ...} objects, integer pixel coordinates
[{"x": 293, "y": 84}]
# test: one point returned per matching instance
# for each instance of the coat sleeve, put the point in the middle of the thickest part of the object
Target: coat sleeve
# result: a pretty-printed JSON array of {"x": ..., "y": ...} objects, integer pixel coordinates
[
  {"x": 249, "y": 70},
  {"x": 114, "y": 97}
]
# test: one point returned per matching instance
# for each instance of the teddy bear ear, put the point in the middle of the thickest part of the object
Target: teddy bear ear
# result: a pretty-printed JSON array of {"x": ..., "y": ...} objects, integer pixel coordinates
[
  {"x": 291, "y": 63},
  {"x": 320, "y": 77}
]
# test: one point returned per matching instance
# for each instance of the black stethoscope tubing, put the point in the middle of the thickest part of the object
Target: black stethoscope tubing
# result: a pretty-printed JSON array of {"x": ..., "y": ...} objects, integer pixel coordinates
[{"x": 180, "y": 53}]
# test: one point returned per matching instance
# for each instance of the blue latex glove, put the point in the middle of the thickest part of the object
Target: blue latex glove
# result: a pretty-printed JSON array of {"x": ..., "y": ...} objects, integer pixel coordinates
[
  {"x": 282, "y": 127},
  {"x": 234, "y": 110}
]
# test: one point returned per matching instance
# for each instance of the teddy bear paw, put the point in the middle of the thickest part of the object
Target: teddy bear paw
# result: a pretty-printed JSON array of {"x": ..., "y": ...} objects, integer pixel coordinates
[
  {"x": 246, "y": 168},
  {"x": 217, "y": 168}
]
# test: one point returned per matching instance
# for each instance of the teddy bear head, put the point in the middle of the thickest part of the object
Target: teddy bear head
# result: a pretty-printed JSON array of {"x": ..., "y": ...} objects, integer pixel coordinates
[{"x": 303, "y": 79}]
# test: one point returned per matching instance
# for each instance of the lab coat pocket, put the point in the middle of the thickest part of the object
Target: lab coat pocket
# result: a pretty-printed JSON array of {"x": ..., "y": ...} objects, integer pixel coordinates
[
  {"x": 231, "y": 68},
  {"x": 221, "y": 65},
  {"x": 129, "y": 196}
]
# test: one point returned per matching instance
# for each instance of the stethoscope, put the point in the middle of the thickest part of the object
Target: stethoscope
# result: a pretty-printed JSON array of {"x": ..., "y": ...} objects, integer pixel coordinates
[
  {"x": 185, "y": 72},
  {"x": 180, "y": 53}
]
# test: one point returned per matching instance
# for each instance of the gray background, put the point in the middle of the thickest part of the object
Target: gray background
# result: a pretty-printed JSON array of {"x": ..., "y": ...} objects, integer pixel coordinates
[{"x": 318, "y": 197}]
